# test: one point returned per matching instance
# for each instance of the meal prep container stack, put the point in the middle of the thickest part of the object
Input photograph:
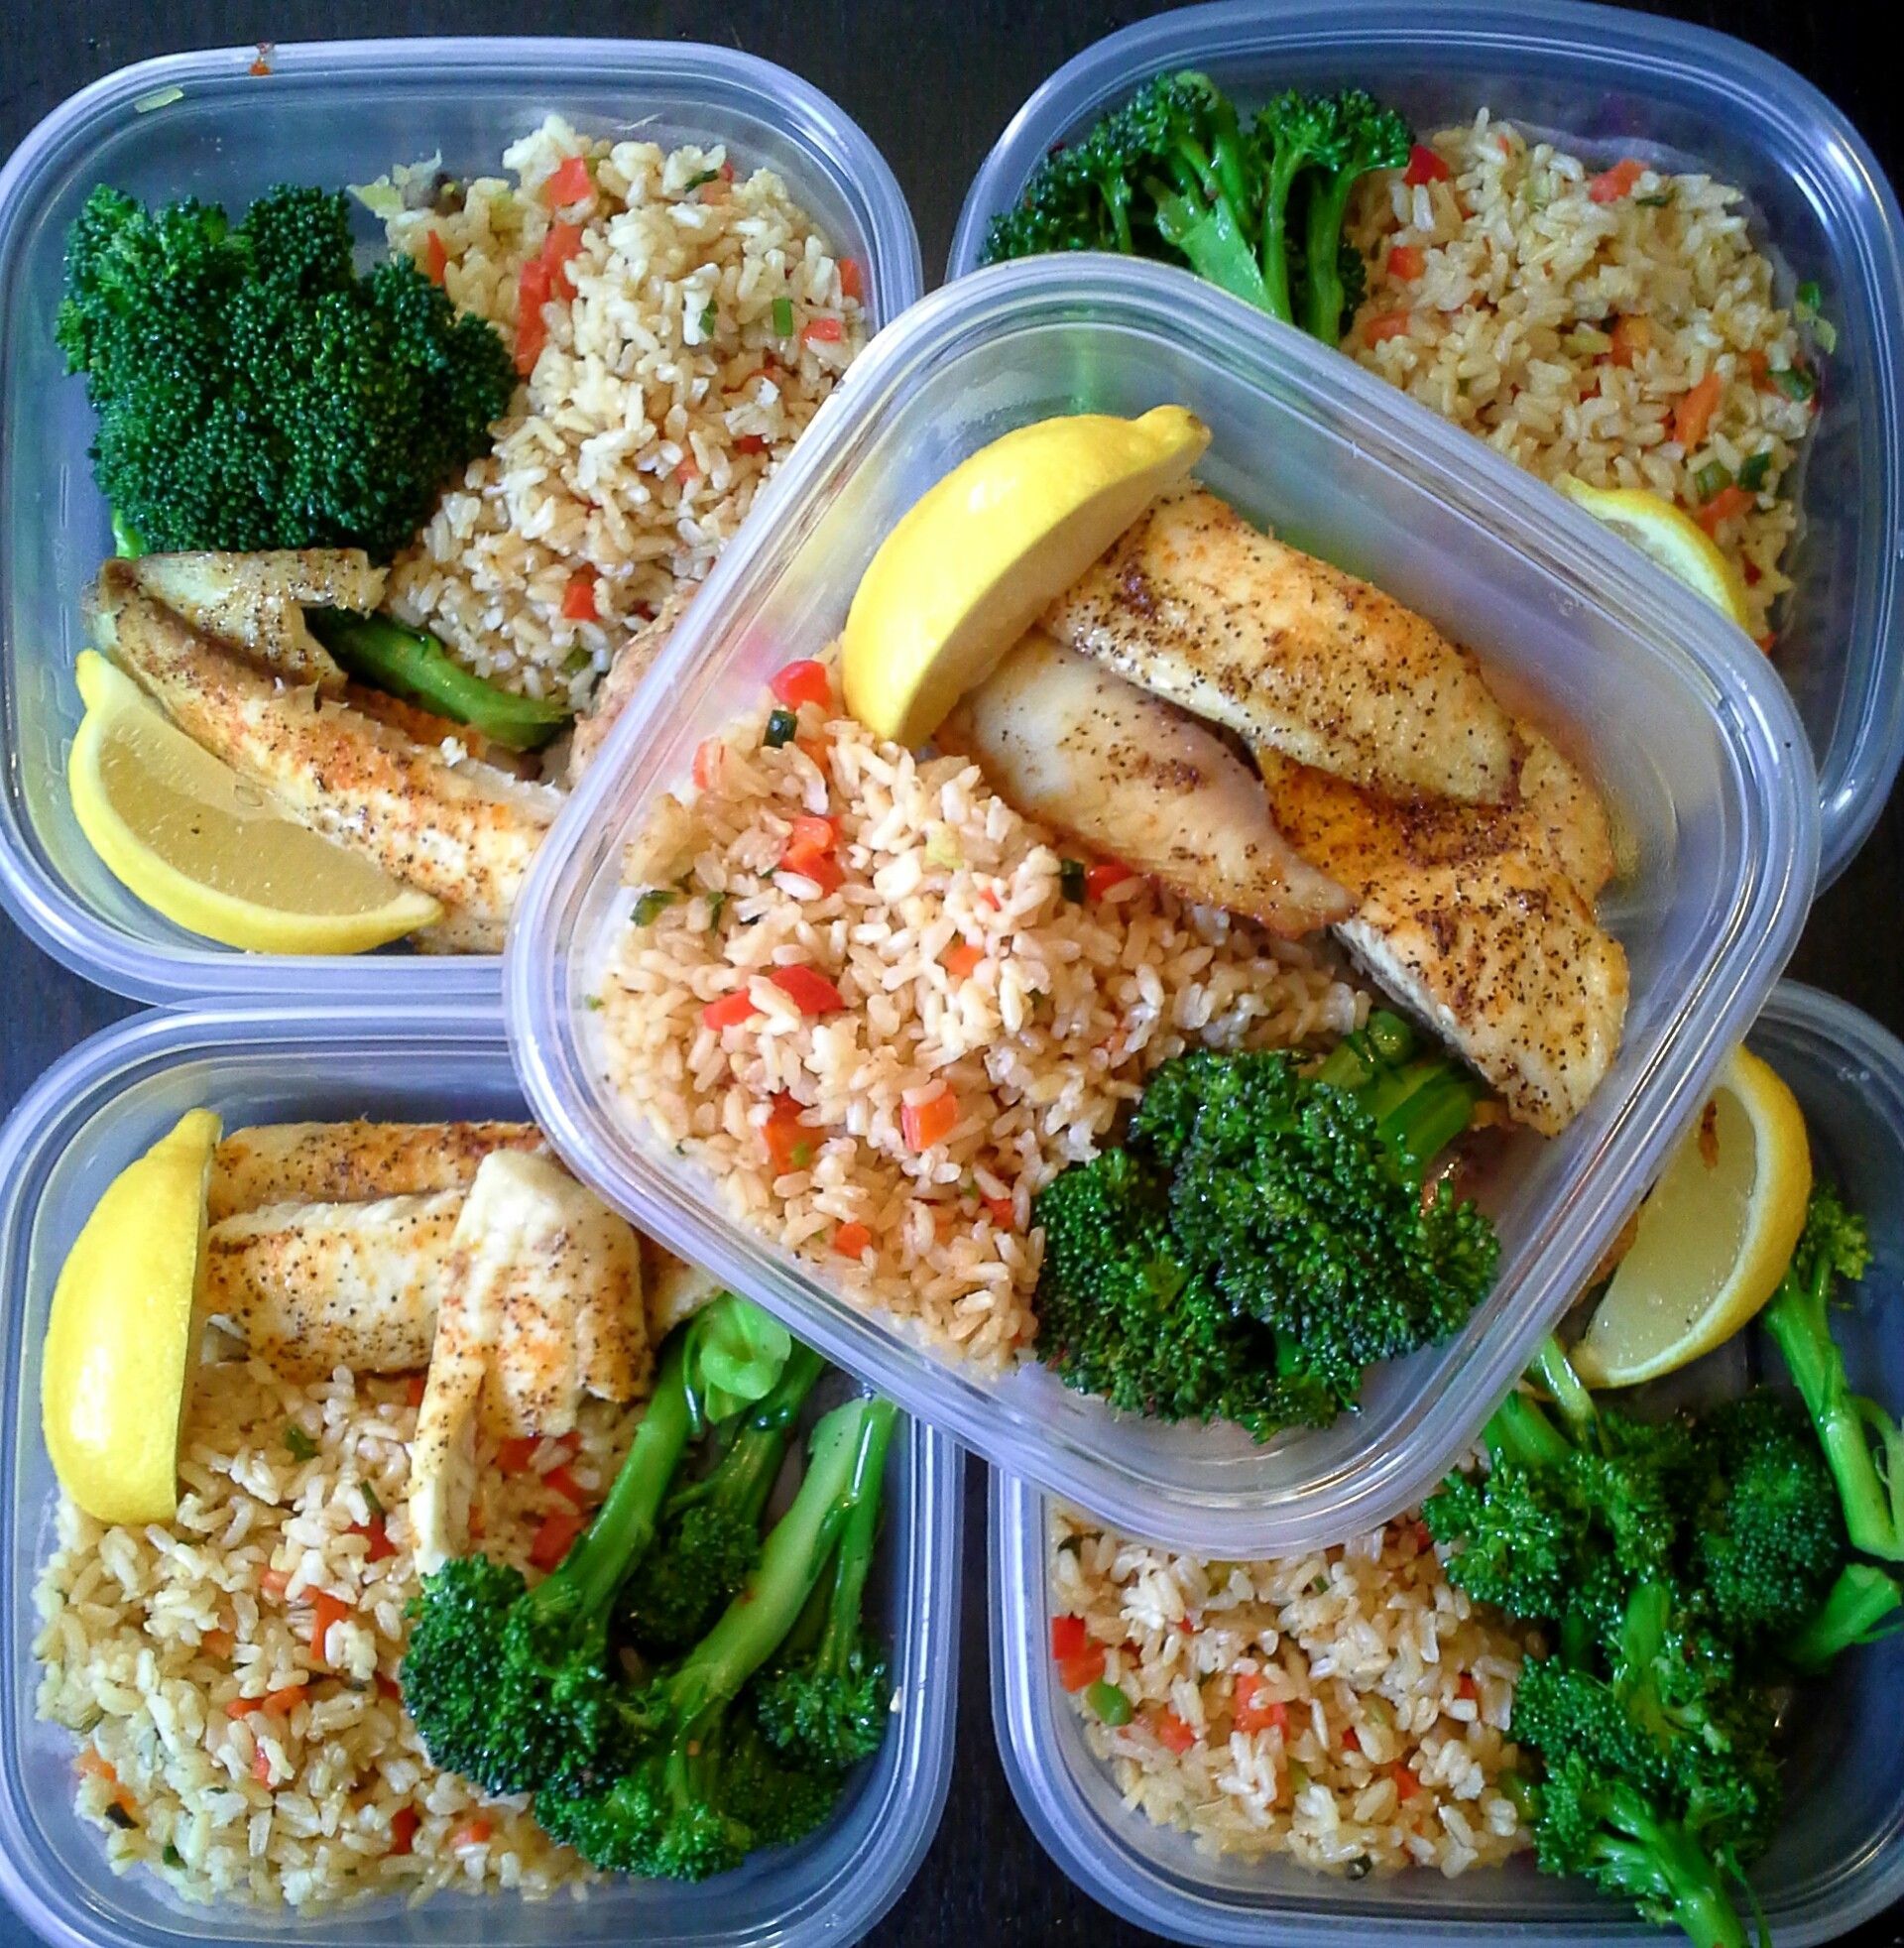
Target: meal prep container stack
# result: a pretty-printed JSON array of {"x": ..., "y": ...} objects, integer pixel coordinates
[
  {"x": 1608, "y": 83},
  {"x": 1839, "y": 1859},
  {"x": 1697, "y": 746},
  {"x": 204, "y": 124},
  {"x": 89, "y": 1117}
]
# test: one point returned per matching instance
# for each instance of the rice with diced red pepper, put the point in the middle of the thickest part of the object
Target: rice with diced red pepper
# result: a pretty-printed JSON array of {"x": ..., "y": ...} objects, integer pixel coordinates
[
  {"x": 883, "y": 1009},
  {"x": 1347, "y": 1707},
  {"x": 680, "y": 322},
  {"x": 1617, "y": 323},
  {"x": 221, "y": 1745}
]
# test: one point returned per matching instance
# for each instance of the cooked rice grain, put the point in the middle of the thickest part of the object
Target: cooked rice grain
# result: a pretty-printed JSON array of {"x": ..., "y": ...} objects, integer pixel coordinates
[
  {"x": 1395, "y": 1696},
  {"x": 1505, "y": 328}
]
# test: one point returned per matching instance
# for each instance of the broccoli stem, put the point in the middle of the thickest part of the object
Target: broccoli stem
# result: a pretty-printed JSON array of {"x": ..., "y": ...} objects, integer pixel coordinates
[
  {"x": 1861, "y": 1599},
  {"x": 1323, "y": 299},
  {"x": 1660, "y": 1864},
  {"x": 127, "y": 542},
  {"x": 1381, "y": 1041},
  {"x": 1436, "y": 1105},
  {"x": 854, "y": 1561},
  {"x": 1554, "y": 1373},
  {"x": 749, "y": 1469},
  {"x": 1519, "y": 1432}
]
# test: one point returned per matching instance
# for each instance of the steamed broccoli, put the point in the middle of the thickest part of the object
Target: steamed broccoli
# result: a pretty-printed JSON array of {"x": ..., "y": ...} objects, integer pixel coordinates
[
  {"x": 253, "y": 391},
  {"x": 1264, "y": 1236},
  {"x": 1172, "y": 173}
]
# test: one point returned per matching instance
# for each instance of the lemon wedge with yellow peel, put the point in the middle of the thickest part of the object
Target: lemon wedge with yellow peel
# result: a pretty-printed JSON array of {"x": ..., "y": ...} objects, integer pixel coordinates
[
  {"x": 1671, "y": 536},
  {"x": 1715, "y": 1234},
  {"x": 207, "y": 848},
  {"x": 973, "y": 560},
  {"x": 122, "y": 1331}
]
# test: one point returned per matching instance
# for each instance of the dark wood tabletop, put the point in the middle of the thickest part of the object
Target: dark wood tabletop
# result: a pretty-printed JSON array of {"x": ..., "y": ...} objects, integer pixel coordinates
[{"x": 933, "y": 82}]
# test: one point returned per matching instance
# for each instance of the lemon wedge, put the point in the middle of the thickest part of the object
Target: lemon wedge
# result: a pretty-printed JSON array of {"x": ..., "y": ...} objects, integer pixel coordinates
[
  {"x": 207, "y": 848},
  {"x": 1715, "y": 1234},
  {"x": 120, "y": 1337},
  {"x": 1671, "y": 536},
  {"x": 973, "y": 560}
]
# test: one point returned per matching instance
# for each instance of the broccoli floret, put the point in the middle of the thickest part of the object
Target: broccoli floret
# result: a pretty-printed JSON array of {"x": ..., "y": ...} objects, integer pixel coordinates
[
  {"x": 1862, "y": 1607},
  {"x": 826, "y": 1706},
  {"x": 678, "y": 1810},
  {"x": 710, "y": 1535},
  {"x": 253, "y": 391},
  {"x": 1863, "y": 1444},
  {"x": 1365, "y": 136}
]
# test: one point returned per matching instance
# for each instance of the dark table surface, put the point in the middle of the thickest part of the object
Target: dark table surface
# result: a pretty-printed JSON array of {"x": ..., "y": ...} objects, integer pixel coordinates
[{"x": 932, "y": 82}]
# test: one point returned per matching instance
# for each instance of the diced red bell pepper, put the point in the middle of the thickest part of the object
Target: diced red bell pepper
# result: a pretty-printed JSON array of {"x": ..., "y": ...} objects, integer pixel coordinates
[
  {"x": 554, "y": 1538},
  {"x": 260, "y": 1765},
  {"x": 962, "y": 958},
  {"x": 1388, "y": 325},
  {"x": 1001, "y": 1211},
  {"x": 1350, "y": 1742},
  {"x": 1406, "y": 1783},
  {"x": 1631, "y": 335},
  {"x": 569, "y": 182},
  {"x": 560, "y": 248},
  {"x": 414, "y": 1387},
  {"x": 435, "y": 257},
  {"x": 565, "y": 1485},
  {"x": 827, "y": 332},
  {"x": 388, "y": 1687},
  {"x": 1079, "y": 1673},
  {"x": 1610, "y": 185},
  {"x": 1255, "y": 1713},
  {"x": 749, "y": 442},
  {"x": 473, "y": 1832},
  {"x": 1068, "y": 1636},
  {"x": 382, "y": 1548},
  {"x": 801, "y": 681},
  {"x": 852, "y": 1239},
  {"x": 852, "y": 283},
  {"x": 931, "y": 1122},
  {"x": 1467, "y": 1689},
  {"x": 1099, "y": 878},
  {"x": 810, "y": 862},
  {"x": 709, "y": 756},
  {"x": 403, "y": 1823},
  {"x": 788, "y": 1141},
  {"x": 730, "y": 1011},
  {"x": 273, "y": 1583},
  {"x": 812, "y": 829},
  {"x": 531, "y": 328},
  {"x": 515, "y": 1453},
  {"x": 809, "y": 989},
  {"x": 1424, "y": 166},
  {"x": 1406, "y": 262},
  {"x": 1175, "y": 1732},
  {"x": 578, "y": 598},
  {"x": 325, "y": 1610}
]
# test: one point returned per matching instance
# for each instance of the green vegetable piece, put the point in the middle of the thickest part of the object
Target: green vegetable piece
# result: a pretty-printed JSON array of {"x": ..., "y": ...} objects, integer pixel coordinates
[
  {"x": 373, "y": 1502},
  {"x": 127, "y": 542},
  {"x": 1659, "y": 201},
  {"x": 653, "y": 904},
  {"x": 783, "y": 726},
  {"x": 301, "y": 1445},
  {"x": 120, "y": 1818},
  {"x": 716, "y": 906},
  {"x": 1710, "y": 479},
  {"x": 413, "y": 665},
  {"x": 1071, "y": 878},
  {"x": 782, "y": 318},
  {"x": 739, "y": 1351},
  {"x": 1110, "y": 1702},
  {"x": 1794, "y": 382},
  {"x": 1751, "y": 476},
  {"x": 171, "y": 1856},
  {"x": 710, "y": 317}
]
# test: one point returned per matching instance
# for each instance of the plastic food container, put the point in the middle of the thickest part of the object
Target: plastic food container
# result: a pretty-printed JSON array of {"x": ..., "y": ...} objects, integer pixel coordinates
[
  {"x": 1611, "y": 82},
  {"x": 1697, "y": 745},
  {"x": 1839, "y": 1856},
  {"x": 205, "y": 124},
  {"x": 90, "y": 1115}
]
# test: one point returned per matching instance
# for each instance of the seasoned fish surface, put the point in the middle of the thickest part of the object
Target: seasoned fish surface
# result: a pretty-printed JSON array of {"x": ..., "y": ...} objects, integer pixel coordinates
[
  {"x": 352, "y": 1163},
  {"x": 1198, "y": 607},
  {"x": 316, "y": 1286},
  {"x": 462, "y": 831},
  {"x": 1480, "y": 918},
  {"x": 1074, "y": 745}
]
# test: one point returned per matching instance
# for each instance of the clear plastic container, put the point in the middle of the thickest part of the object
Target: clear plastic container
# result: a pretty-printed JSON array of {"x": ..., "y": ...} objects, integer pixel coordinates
[
  {"x": 1611, "y": 82},
  {"x": 1839, "y": 1856},
  {"x": 1694, "y": 740},
  {"x": 90, "y": 1114},
  {"x": 341, "y": 112}
]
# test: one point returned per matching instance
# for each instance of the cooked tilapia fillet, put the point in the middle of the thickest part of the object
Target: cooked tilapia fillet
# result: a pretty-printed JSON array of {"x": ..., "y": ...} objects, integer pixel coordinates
[
  {"x": 1295, "y": 656},
  {"x": 315, "y": 1286},
  {"x": 1481, "y": 918},
  {"x": 544, "y": 1305},
  {"x": 462, "y": 831},
  {"x": 1070, "y": 743},
  {"x": 348, "y": 1163},
  {"x": 258, "y": 601},
  {"x": 671, "y": 1289},
  {"x": 633, "y": 661}
]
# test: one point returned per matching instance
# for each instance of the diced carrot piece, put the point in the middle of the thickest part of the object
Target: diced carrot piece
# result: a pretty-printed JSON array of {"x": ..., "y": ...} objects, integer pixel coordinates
[
  {"x": 1255, "y": 1713},
  {"x": 560, "y": 248},
  {"x": 565, "y": 1485},
  {"x": 1630, "y": 335},
  {"x": 282, "y": 1702},
  {"x": 1350, "y": 1742},
  {"x": 687, "y": 473},
  {"x": 1388, "y": 325},
  {"x": 801, "y": 681},
  {"x": 569, "y": 182},
  {"x": 1406, "y": 262},
  {"x": 403, "y": 1823},
  {"x": 274, "y": 1582},
  {"x": 325, "y": 1610},
  {"x": 749, "y": 442},
  {"x": 1079, "y": 1673},
  {"x": 789, "y": 1143},
  {"x": 852, "y": 283},
  {"x": 554, "y": 1538},
  {"x": 1610, "y": 185},
  {"x": 851, "y": 1239},
  {"x": 1102, "y": 877},
  {"x": 1760, "y": 367},
  {"x": 1467, "y": 1689},
  {"x": 472, "y": 1833},
  {"x": 414, "y": 1387},
  {"x": 809, "y": 989},
  {"x": 817, "y": 749},
  {"x": 435, "y": 257},
  {"x": 218, "y": 1643},
  {"x": 729, "y": 1011},
  {"x": 516, "y": 1454},
  {"x": 962, "y": 958},
  {"x": 388, "y": 1687},
  {"x": 532, "y": 329},
  {"x": 931, "y": 1122},
  {"x": 1406, "y": 1783},
  {"x": 827, "y": 332},
  {"x": 710, "y": 755},
  {"x": 578, "y": 598},
  {"x": 991, "y": 897},
  {"x": 1068, "y": 1636},
  {"x": 1694, "y": 413},
  {"x": 1001, "y": 1211},
  {"x": 93, "y": 1764},
  {"x": 1174, "y": 1732},
  {"x": 260, "y": 1765},
  {"x": 1424, "y": 166},
  {"x": 1724, "y": 505}
]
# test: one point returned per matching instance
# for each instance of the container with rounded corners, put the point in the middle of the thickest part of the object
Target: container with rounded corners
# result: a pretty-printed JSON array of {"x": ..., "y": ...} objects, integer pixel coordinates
[
  {"x": 92, "y": 1112},
  {"x": 1611, "y": 81},
  {"x": 204, "y": 124},
  {"x": 1839, "y": 1858},
  {"x": 1693, "y": 737}
]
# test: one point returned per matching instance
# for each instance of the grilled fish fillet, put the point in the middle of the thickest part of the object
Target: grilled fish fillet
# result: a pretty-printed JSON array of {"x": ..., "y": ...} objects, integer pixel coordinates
[
  {"x": 633, "y": 661},
  {"x": 316, "y": 1286},
  {"x": 1295, "y": 656},
  {"x": 463, "y": 832},
  {"x": 1480, "y": 918},
  {"x": 258, "y": 601},
  {"x": 351, "y": 1163},
  {"x": 671, "y": 1289},
  {"x": 1072, "y": 743},
  {"x": 544, "y": 1305}
]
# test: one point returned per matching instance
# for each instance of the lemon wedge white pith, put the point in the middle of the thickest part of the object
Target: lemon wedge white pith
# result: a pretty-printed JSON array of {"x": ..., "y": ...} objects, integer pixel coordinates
[{"x": 970, "y": 565}]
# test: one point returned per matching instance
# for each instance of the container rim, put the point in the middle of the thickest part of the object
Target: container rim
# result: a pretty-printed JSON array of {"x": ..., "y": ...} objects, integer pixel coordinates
[
  {"x": 900, "y": 1826},
  {"x": 1857, "y": 781},
  {"x": 1703, "y": 647},
  {"x": 37, "y": 896}
]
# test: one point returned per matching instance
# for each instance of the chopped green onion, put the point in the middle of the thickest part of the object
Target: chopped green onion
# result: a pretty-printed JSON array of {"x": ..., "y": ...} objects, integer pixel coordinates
[
  {"x": 782, "y": 727},
  {"x": 576, "y": 661},
  {"x": 301, "y": 1445},
  {"x": 1824, "y": 336},
  {"x": 716, "y": 906},
  {"x": 592, "y": 1002},
  {"x": 1588, "y": 339},
  {"x": 783, "y": 317},
  {"x": 171, "y": 1856},
  {"x": 1658, "y": 202},
  {"x": 942, "y": 849},
  {"x": 120, "y": 1818},
  {"x": 1108, "y": 1700},
  {"x": 1751, "y": 476},
  {"x": 373, "y": 1504},
  {"x": 1809, "y": 299},
  {"x": 1360, "y": 1868},
  {"x": 653, "y": 904},
  {"x": 709, "y": 320},
  {"x": 1710, "y": 479},
  {"x": 1806, "y": 302},
  {"x": 1071, "y": 880},
  {"x": 1794, "y": 381},
  {"x": 706, "y": 176}
]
